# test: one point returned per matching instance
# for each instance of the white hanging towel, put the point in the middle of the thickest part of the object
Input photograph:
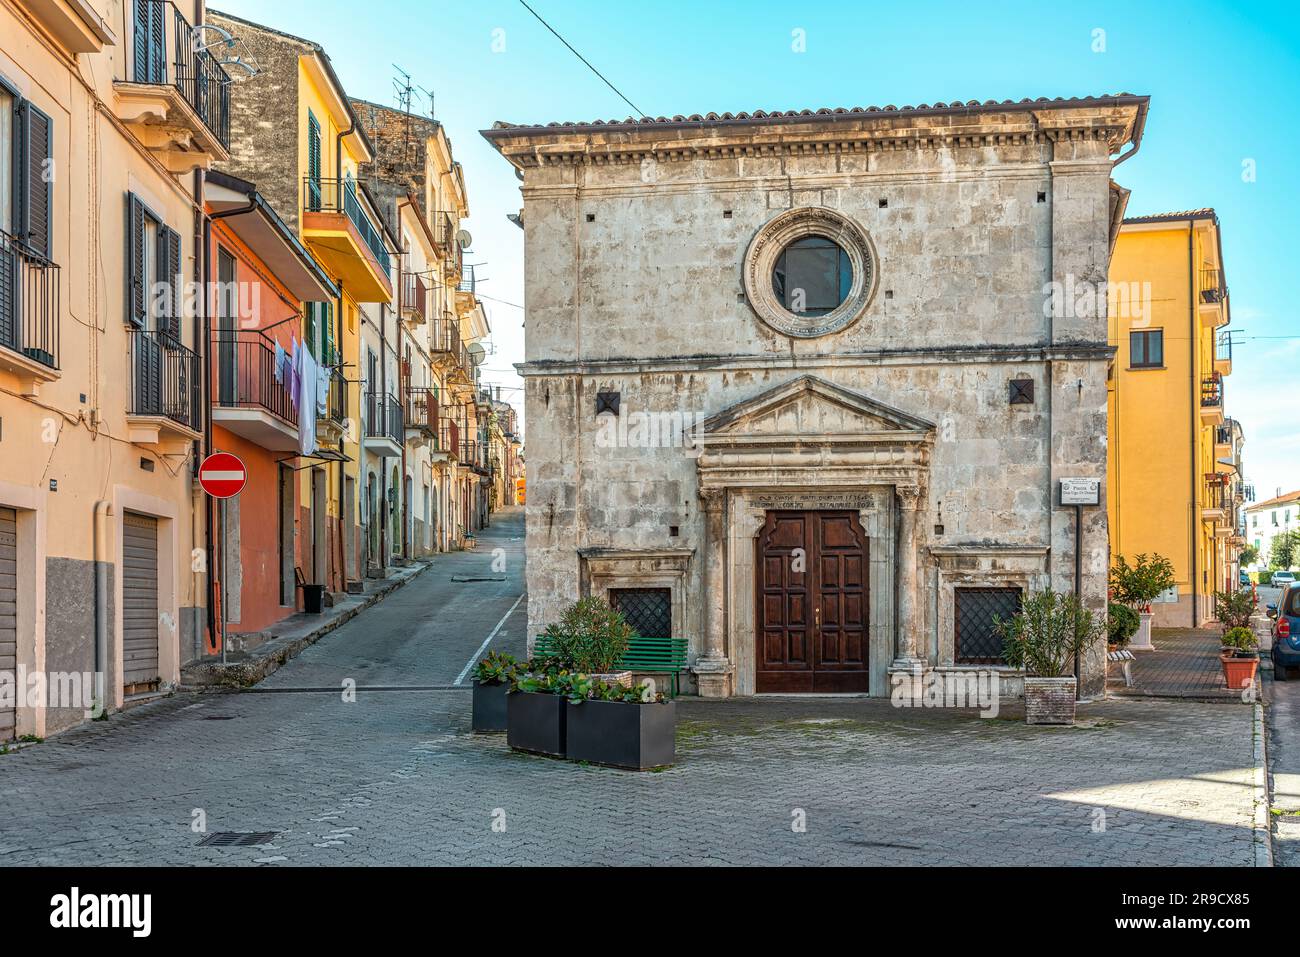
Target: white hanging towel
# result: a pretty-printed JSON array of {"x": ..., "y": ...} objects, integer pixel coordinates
[{"x": 307, "y": 372}]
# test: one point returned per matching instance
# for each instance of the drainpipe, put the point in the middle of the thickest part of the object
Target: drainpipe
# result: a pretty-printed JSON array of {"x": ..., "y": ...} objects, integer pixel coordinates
[
  {"x": 100, "y": 531},
  {"x": 1195, "y": 417},
  {"x": 343, "y": 517},
  {"x": 406, "y": 504}
]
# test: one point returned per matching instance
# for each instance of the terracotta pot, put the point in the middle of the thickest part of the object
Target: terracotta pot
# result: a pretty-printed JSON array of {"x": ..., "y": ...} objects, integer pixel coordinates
[{"x": 1239, "y": 673}]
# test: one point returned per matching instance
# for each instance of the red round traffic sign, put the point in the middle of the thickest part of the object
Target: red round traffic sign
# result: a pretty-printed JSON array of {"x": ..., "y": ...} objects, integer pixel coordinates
[{"x": 222, "y": 475}]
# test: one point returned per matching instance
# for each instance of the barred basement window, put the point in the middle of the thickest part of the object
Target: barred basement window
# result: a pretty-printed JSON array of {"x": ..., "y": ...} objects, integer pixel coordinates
[
  {"x": 648, "y": 610},
  {"x": 977, "y": 641}
]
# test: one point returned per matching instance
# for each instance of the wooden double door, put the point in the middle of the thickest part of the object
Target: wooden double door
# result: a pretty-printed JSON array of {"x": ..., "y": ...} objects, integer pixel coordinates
[{"x": 813, "y": 600}]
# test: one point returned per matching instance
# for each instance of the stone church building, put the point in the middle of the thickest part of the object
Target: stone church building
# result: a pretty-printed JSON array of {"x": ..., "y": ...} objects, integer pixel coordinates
[{"x": 802, "y": 387}]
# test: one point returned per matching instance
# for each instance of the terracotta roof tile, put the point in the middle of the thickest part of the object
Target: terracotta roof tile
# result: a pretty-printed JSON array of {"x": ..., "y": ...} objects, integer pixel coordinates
[
  {"x": 1286, "y": 499},
  {"x": 1203, "y": 213}
]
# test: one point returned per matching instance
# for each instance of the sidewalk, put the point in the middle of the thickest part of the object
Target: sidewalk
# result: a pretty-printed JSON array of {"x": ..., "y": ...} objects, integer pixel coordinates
[
  {"x": 1185, "y": 665},
  {"x": 289, "y": 637}
]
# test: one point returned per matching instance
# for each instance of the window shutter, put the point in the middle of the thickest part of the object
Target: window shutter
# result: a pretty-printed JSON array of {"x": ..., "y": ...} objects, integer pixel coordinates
[
  {"x": 140, "y": 40},
  {"x": 310, "y": 331},
  {"x": 136, "y": 297},
  {"x": 8, "y": 297},
  {"x": 327, "y": 334},
  {"x": 37, "y": 193},
  {"x": 158, "y": 42},
  {"x": 170, "y": 261}
]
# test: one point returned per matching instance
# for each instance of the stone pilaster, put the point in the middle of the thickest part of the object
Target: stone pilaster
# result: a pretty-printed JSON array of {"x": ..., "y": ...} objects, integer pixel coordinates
[
  {"x": 713, "y": 672},
  {"x": 908, "y": 655}
]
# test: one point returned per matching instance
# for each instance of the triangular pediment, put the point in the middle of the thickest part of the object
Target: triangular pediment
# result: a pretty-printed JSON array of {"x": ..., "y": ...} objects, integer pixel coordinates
[{"x": 810, "y": 406}]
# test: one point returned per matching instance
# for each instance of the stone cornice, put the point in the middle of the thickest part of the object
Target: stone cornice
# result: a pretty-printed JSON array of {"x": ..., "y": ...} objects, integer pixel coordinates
[
  {"x": 1063, "y": 352},
  {"x": 1111, "y": 121}
]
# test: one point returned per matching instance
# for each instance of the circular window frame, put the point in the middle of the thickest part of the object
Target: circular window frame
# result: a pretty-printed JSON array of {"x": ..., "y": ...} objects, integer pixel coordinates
[{"x": 794, "y": 224}]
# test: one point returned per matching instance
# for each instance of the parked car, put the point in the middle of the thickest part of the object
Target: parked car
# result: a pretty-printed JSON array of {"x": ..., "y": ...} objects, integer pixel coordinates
[
  {"x": 1243, "y": 579},
  {"x": 1283, "y": 578},
  {"x": 1286, "y": 631}
]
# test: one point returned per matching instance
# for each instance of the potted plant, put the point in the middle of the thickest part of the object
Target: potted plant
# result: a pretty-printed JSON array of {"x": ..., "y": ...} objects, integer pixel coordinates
[
  {"x": 1042, "y": 639},
  {"x": 1239, "y": 659},
  {"x": 493, "y": 677},
  {"x": 535, "y": 712},
  {"x": 1122, "y": 623},
  {"x": 591, "y": 638},
  {"x": 634, "y": 728},
  {"x": 1137, "y": 585}
]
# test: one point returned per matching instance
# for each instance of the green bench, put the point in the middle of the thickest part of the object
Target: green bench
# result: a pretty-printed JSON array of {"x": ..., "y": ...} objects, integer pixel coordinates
[{"x": 657, "y": 656}]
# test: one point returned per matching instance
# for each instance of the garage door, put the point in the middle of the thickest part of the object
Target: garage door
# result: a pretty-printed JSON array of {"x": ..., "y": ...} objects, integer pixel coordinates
[
  {"x": 8, "y": 615},
  {"x": 139, "y": 602}
]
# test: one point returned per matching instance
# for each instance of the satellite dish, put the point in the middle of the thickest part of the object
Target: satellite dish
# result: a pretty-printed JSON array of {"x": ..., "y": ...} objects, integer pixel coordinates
[
  {"x": 476, "y": 352},
  {"x": 463, "y": 239}
]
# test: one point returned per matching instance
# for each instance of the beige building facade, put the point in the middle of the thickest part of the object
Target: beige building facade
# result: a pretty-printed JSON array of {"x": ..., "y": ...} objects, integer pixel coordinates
[{"x": 802, "y": 388}]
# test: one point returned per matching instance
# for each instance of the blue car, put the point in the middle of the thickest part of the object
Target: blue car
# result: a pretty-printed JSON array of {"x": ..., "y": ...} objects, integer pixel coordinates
[{"x": 1286, "y": 631}]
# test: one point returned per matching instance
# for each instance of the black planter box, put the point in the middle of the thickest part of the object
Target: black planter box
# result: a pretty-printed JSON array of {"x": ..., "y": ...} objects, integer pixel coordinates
[
  {"x": 622, "y": 735},
  {"x": 490, "y": 707},
  {"x": 535, "y": 722}
]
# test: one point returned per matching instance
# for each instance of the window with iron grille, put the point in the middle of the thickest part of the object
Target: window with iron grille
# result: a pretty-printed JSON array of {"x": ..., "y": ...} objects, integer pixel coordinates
[
  {"x": 648, "y": 610},
  {"x": 977, "y": 641}
]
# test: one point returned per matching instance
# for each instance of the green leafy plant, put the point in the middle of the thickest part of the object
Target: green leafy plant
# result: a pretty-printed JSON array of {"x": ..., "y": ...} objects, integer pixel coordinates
[
  {"x": 497, "y": 668},
  {"x": 1241, "y": 641},
  {"x": 1122, "y": 623},
  {"x": 1045, "y": 635},
  {"x": 590, "y": 636},
  {"x": 1249, "y": 555},
  {"x": 1138, "y": 584},
  {"x": 1284, "y": 550},
  {"x": 1233, "y": 609}
]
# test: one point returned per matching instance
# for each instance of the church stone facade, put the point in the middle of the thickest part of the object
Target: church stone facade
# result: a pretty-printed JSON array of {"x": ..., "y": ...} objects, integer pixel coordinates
[{"x": 802, "y": 387}]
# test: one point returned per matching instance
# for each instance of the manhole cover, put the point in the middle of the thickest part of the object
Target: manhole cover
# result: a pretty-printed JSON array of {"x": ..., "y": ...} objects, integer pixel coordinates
[{"x": 238, "y": 838}]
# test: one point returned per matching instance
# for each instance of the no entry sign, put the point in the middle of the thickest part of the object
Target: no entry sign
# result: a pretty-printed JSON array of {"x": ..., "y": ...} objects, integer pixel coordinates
[{"x": 222, "y": 475}]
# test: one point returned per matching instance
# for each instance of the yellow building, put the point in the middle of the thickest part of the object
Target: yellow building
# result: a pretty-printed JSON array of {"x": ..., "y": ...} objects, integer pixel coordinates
[
  {"x": 298, "y": 138},
  {"x": 109, "y": 110},
  {"x": 1174, "y": 482}
]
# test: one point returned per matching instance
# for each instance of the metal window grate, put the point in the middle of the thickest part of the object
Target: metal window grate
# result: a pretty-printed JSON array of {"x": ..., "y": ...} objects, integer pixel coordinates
[
  {"x": 238, "y": 838},
  {"x": 648, "y": 610},
  {"x": 977, "y": 641}
]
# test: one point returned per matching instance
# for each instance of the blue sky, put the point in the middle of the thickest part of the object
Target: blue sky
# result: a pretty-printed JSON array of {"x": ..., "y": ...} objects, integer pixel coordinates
[{"x": 1223, "y": 79}]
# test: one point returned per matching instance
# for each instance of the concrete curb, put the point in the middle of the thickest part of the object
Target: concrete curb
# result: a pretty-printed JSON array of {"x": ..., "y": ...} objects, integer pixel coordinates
[
  {"x": 268, "y": 658},
  {"x": 1263, "y": 809}
]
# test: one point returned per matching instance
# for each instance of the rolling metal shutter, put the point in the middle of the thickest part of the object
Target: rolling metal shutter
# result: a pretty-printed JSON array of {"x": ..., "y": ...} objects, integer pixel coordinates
[
  {"x": 8, "y": 613},
  {"x": 139, "y": 599}
]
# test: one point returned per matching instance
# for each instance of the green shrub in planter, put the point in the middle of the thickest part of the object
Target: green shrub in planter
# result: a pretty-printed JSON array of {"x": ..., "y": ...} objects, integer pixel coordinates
[
  {"x": 1240, "y": 642},
  {"x": 1121, "y": 624},
  {"x": 589, "y": 637},
  {"x": 1139, "y": 584},
  {"x": 493, "y": 677},
  {"x": 1234, "y": 609},
  {"x": 1043, "y": 639},
  {"x": 609, "y": 724}
]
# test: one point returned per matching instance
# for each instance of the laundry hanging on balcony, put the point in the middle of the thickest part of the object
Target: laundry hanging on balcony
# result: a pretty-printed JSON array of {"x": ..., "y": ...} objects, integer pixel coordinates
[{"x": 307, "y": 372}]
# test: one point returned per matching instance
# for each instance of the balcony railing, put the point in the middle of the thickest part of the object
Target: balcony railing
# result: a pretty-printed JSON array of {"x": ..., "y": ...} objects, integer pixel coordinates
[
  {"x": 1211, "y": 392},
  {"x": 1222, "y": 435},
  {"x": 1212, "y": 286},
  {"x": 340, "y": 196},
  {"x": 449, "y": 436},
  {"x": 471, "y": 454},
  {"x": 446, "y": 340},
  {"x": 454, "y": 263},
  {"x": 415, "y": 297},
  {"x": 336, "y": 408},
  {"x": 29, "y": 303},
  {"x": 1223, "y": 347},
  {"x": 444, "y": 229},
  {"x": 168, "y": 50},
  {"x": 384, "y": 417},
  {"x": 422, "y": 409},
  {"x": 244, "y": 375},
  {"x": 165, "y": 379},
  {"x": 468, "y": 282}
]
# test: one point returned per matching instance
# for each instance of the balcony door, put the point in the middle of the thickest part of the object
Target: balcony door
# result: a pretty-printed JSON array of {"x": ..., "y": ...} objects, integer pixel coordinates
[
  {"x": 150, "y": 41},
  {"x": 227, "y": 330}
]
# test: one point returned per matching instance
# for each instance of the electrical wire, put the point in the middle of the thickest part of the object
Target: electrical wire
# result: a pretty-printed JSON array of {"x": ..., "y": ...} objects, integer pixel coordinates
[{"x": 636, "y": 110}]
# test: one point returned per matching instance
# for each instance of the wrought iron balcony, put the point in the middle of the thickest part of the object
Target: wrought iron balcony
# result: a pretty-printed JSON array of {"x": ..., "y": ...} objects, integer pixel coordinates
[
  {"x": 384, "y": 418},
  {"x": 1212, "y": 397},
  {"x": 165, "y": 379},
  {"x": 468, "y": 282},
  {"x": 340, "y": 196},
  {"x": 29, "y": 312},
  {"x": 444, "y": 229},
  {"x": 247, "y": 399},
  {"x": 167, "y": 51},
  {"x": 333, "y": 420},
  {"x": 415, "y": 299},
  {"x": 446, "y": 344},
  {"x": 1212, "y": 286},
  {"x": 449, "y": 436},
  {"x": 422, "y": 410}
]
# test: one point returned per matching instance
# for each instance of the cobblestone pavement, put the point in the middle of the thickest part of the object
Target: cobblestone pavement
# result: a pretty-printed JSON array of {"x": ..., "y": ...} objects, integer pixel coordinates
[
  {"x": 1185, "y": 664},
  {"x": 396, "y": 777}
]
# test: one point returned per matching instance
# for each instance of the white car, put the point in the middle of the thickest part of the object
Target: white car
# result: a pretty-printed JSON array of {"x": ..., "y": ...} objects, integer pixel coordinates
[{"x": 1283, "y": 578}]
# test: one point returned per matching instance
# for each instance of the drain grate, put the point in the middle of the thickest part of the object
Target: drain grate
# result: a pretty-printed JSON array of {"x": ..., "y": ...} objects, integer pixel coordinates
[
  {"x": 238, "y": 838},
  {"x": 219, "y": 717}
]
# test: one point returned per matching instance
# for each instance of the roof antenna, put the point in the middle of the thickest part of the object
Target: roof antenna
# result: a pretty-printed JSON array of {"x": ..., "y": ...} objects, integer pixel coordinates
[{"x": 433, "y": 112}]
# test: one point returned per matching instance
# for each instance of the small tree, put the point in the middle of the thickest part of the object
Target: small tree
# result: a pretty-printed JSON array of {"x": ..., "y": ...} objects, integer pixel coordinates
[
  {"x": 590, "y": 636},
  {"x": 1046, "y": 634},
  {"x": 1233, "y": 609},
  {"x": 1138, "y": 584},
  {"x": 1283, "y": 552}
]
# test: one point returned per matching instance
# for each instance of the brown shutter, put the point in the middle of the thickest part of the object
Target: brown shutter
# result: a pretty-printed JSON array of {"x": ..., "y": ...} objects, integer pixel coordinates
[{"x": 36, "y": 179}]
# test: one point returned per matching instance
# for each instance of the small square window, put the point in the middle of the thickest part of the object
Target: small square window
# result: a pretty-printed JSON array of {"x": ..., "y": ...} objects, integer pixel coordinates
[
  {"x": 1146, "y": 349},
  {"x": 1021, "y": 391},
  {"x": 607, "y": 402},
  {"x": 591, "y": 217},
  {"x": 977, "y": 611},
  {"x": 648, "y": 610}
]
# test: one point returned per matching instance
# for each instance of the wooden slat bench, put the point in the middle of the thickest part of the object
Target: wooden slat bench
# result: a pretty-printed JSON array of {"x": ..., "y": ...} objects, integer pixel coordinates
[
  {"x": 1126, "y": 661},
  {"x": 655, "y": 656}
]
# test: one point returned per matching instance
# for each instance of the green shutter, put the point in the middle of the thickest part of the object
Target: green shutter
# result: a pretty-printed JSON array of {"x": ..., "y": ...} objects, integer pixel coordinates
[{"x": 309, "y": 333}]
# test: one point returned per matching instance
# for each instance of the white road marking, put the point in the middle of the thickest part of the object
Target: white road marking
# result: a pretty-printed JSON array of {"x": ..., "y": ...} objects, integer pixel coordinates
[{"x": 460, "y": 678}]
